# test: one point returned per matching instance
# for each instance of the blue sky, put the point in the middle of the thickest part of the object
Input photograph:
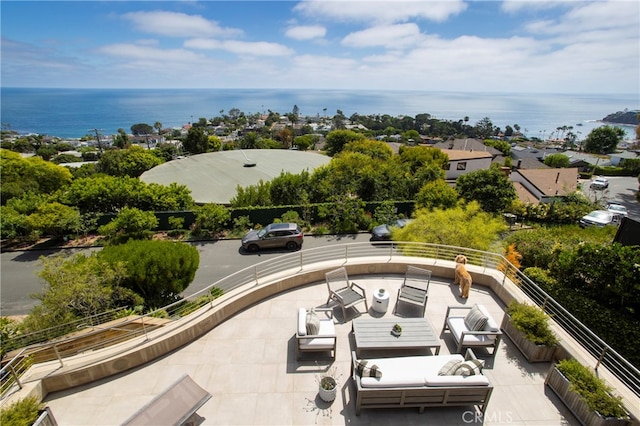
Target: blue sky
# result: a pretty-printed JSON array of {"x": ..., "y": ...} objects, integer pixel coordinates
[{"x": 512, "y": 46}]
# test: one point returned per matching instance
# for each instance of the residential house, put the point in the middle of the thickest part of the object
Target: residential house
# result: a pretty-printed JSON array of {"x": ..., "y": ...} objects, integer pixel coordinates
[
  {"x": 536, "y": 186},
  {"x": 471, "y": 145},
  {"x": 463, "y": 162}
]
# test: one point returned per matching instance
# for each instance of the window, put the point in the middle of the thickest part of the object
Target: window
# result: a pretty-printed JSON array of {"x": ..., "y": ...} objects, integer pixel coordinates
[{"x": 462, "y": 165}]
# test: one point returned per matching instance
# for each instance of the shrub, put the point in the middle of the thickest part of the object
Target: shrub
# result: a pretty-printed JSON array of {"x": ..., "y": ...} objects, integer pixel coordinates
[
  {"x": 593, "y": 389},
  {"x": 21, "y": 413},
  {"x": 533, "y": 322}
]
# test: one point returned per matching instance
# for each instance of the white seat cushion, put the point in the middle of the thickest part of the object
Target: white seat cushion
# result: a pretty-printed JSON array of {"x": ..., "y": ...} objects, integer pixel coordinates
[
  {"x": 302, "y": 322},
  {"x": 317, "y": 343},
  {"x": 406, "y": 371},
  {"x": 457, "y": 326},
  {"x": 478, "y": 380}
]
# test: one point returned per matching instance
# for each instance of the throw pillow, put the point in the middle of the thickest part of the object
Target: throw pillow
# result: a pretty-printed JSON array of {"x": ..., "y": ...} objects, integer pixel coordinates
[
  {"x": 472, "y": 367},
  {"x": 313, "y": 323},
  {"x": 449, "y": 369},
  {"x": 475, "y": 319},
  {"x": 364, "y": 371}
]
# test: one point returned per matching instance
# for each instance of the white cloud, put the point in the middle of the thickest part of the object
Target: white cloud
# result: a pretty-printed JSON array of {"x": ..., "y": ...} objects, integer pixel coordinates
[
  {"x": 380, "y": 10},
  {"x": 141, "y": 52},
  {"x": 389, "y": 36},
  {"x": 175, "y": 24},
  {"x": 306, "y": 32},
  {"x": 260, "y": 48}
]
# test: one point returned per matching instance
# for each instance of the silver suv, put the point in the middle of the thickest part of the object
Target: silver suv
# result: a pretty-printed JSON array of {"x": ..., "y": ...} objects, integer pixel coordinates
[{"x": 275, "y": 235}]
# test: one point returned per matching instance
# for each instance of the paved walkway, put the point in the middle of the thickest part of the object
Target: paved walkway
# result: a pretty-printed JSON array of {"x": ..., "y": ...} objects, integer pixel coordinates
[{"x": 248, "y": 364}]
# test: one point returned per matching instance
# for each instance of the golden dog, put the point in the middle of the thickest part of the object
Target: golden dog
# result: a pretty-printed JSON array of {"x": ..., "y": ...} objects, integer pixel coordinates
[{"x": 462, "y": 277}]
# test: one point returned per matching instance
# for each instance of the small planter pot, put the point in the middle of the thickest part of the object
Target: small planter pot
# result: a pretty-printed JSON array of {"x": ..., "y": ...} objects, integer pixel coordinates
[
  {"x": 328, "y": 395},
  {"x": 531, "y": 351},
  {"x": 574, "y": 402}
]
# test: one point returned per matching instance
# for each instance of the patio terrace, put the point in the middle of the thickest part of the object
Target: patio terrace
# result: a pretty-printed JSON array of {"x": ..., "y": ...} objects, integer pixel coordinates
[{"x": 247, "y": 359}]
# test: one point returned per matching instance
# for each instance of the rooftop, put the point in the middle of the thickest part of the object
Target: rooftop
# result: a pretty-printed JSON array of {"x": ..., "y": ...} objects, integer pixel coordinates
[{"x": 248, "y": 364}]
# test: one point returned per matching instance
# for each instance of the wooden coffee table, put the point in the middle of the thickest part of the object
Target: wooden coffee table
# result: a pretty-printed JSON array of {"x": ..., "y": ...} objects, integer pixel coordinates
[{"x": 417, "y": 333}]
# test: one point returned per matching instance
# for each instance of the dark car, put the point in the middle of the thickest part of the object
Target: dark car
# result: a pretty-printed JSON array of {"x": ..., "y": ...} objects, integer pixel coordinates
[
  {"x": 383, "y": 232},
  {"x": 275, "y": 235}
]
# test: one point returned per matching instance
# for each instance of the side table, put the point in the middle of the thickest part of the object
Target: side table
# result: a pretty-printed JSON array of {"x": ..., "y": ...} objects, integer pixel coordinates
[{"x": 380, "y": 301}]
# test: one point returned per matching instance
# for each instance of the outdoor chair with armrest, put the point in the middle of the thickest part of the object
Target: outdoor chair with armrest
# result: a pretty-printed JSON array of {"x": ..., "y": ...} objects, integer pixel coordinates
[
  {"x": 415, "y": 288},
  {"x": 345, "y": 293}
]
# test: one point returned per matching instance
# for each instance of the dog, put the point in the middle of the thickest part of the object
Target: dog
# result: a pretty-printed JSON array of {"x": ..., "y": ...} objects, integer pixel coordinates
[{"x": 462, "y": 277}]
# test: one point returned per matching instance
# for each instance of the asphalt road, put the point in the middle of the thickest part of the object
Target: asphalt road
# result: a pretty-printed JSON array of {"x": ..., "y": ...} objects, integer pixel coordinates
[{"x": 19, "y": 279}]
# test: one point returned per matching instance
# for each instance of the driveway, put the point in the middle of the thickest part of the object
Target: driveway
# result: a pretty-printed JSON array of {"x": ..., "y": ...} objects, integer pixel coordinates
[{"x": 622, "y": 189}]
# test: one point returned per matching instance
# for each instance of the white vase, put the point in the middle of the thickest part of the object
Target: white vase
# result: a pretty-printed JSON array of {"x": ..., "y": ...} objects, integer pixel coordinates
[{"x": 328, "y": 395}]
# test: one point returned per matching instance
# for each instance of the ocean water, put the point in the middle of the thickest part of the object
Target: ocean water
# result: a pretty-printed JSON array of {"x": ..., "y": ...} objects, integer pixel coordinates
[{"x": 73, "y": 113}]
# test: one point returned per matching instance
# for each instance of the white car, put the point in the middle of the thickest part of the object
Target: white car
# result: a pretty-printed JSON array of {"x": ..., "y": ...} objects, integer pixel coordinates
[
  {"x": 599, "y": 183},
  {"x": 599, "y": 218},
  {"x": 618, "y": 209}
]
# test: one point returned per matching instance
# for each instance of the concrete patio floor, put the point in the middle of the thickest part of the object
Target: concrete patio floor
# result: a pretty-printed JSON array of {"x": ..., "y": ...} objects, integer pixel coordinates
[{"x": 248, "y": 364}]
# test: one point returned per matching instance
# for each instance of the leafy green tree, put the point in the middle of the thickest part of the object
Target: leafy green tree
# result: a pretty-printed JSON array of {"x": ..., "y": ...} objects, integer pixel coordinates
[
  {"x": 484, "y": 128},
  {"x": 130, "y": 223},
  {"x": 385, "y": 213},
  {"x": 156, "y": 270},
  {"x": 54, "y": 219},
  {"x": 603, "y": 140},
  {"x": 557, "y": 161},
  {"x": 211, "y": 218},
  {"x": 373, "y": 149},
  {"x": 305, "y": 141},
  {"x": 462, "y": 226},
  {"x": 490, "y": 187},
  {"x": 502, "y": 146},
  {"x": 22, "y": 412},
  {"x": 337, "y": 139},
  {"x": 103, "y": 194},
  {"x": 436, "y": 194},
  {"x": 411, "y": 136},
  {"x": 21, "y": 175},
  {"x": 214, "y": 143},
  {"x": 172, "y": 197},
  {"x": 252, "y": 195},
  {"x": 64, "y": 158},
  {"x": 250, "y": 141},
  {"x": 540, "y": 245},
  {"x": 196, "y": 141},
  {"x": 290, "y": 189},
  {"x": 166, "y": 151},
  {"x": 609, "y": 274},
  {"x": 346, "y": 214},
  {"x": 356, "y": 174},
  {"x": 121, "y": 140},
  {"x": 127, "y": 162},
  {"x": 78, "y": 286},
  {"x": 141, "y": 129}
]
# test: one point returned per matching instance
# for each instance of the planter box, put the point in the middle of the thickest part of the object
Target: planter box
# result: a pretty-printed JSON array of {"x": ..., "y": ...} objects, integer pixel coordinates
[
  {"x": 574, "y": 402},
  {"x": 531, "y": 351}
]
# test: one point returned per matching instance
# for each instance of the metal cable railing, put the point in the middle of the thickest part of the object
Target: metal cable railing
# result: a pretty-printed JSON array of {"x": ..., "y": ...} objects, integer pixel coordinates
[{"x": 318, "y": 258}]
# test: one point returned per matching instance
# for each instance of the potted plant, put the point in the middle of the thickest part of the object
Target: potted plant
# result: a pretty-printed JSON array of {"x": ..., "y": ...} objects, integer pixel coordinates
[
  {"x": 528, "y": 328},
  {"x": 396, "y": 330},
  {"x": 328, "y": 385},
  {"x": 588, "y": 397}
]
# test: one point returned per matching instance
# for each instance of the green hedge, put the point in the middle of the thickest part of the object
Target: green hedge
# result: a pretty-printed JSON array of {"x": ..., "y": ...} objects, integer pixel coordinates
[{"x": 614, "y": 327}]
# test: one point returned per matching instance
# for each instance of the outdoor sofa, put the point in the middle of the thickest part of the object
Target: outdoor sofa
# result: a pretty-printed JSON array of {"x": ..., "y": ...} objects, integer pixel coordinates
[{"x": 414, "y": 381}]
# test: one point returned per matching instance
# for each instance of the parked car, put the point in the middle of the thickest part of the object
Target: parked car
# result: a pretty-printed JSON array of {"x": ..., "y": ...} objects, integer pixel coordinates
[
  {"x": 275, "y": 235},
  {"x": 600, "y": 218},
  {"x": 383, "y": 232},
  {"x": 599, "y": 183},
  {"x": 616, "y": 208}
]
